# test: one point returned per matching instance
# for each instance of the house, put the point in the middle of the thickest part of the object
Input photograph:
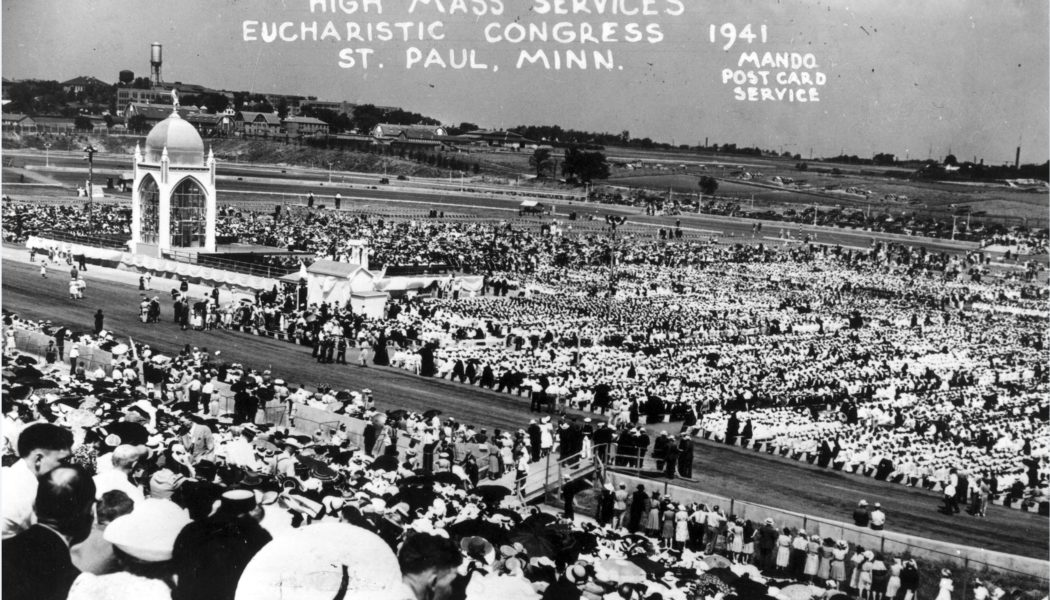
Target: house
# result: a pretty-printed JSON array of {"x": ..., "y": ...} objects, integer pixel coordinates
[
  {"x": 18, "y": 122},
  {"x": 209, "y": 125},
  {"x": 422, "y": 139},
  {"x": 262, "y": 124},
  {"x": 55, "y": 124},
  {"x": 390, "y": 132},
  {"x": 504, "y": 139},
  {"x": 79, "y": 84},
  {"x": 128, "y": 95},
  {"x": 296, "y": 126}
]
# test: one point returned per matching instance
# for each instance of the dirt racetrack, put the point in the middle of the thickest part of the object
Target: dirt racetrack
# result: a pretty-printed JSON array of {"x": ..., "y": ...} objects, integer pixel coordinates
[{"x": 718, "y": 469}]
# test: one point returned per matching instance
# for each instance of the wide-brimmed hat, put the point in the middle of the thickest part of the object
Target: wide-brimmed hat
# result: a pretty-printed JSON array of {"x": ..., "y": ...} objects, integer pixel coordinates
[
  {"x": 478, "y": 548},
  {"x": 148, "y": 533}
]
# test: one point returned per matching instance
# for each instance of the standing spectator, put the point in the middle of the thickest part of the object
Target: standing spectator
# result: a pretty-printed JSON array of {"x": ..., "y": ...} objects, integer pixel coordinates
[
  {"x": 99, "y": 319},
  {"x": 861, "y": 516},
  {"x": 878, "y": 518},
  {"x": 909, "y": 581},
  {"x": 962, "y": 491},
  {"x": 36, "y": 562},
  {"x": 620, "y": 506},
  {"x": 838, "y": 562},
  {"x": 568, "y": 494},
  {"x": 766, "y": 545},
  {"x": 671, "y": 463},
  {"x": 42, "y": 447},
  {"x": 639, "y": 508},
  {"x": 984, "y": 492},
  {"x": 949, "y": 498},
  {"x": 945, "y": 586}
]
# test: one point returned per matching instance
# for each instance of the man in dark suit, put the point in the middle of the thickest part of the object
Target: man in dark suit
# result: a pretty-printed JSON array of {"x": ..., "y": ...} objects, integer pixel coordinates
[
  {"x": 535, "y": 436},
  {"x": 36, "y": 562}
]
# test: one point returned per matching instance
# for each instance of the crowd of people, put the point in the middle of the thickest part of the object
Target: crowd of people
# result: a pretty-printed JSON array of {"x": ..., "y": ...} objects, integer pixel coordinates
[
  {"x": 129, "y": 481},
  {"x": 854, "y": 358}
]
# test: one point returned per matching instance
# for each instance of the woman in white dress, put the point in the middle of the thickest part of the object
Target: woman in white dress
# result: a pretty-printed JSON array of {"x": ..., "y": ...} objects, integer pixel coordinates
[
  {"x": 783, "y": 549},
  {"x": 812, "y": 557},
  {"x": 736, "y": 545},
  {"x": 945, "y": 586},
  {"x": 681, "y": 527},
  {"x": 894, "y": 582}
]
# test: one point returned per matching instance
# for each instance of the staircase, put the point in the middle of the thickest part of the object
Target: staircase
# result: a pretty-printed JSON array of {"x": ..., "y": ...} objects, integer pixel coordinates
[{"x": 549, "y": 474}]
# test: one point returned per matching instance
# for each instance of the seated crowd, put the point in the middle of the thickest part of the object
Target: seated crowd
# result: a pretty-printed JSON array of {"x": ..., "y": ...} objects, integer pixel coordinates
[{"x": 130, "y": 481}]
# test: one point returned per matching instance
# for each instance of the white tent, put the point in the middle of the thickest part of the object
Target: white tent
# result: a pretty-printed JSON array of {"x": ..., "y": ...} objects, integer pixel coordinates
[{"x": 332, "y": 282}]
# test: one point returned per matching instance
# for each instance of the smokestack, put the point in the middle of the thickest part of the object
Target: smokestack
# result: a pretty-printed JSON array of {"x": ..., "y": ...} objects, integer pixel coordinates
[{"x": 1017, "y": 159}]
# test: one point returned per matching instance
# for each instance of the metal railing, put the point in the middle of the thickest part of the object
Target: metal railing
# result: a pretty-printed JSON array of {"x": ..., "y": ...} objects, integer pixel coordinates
[
  {"x": 554, "y": 472},
  {"x": 884, "y": 541},
  {"x": 227, "y": 264},
  {"x": 113, "y": 242}
]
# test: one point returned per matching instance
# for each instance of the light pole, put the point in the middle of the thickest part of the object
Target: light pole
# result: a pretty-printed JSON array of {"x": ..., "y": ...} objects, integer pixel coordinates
[
  {"x": 47, "y": 154},
  {"x": 614, "y": 222},
  {"x": 91, "y": 174},
  {"x": 329, "y": 172}
]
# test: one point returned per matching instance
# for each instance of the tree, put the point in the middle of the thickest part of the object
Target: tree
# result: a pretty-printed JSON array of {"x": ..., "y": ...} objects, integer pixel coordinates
[
  {"x": 583, "y": 167},
  {"x": 708, "y": 185},
  {"x": 950, "y": 160},
  {"x": 214, "y": 103},
  {"x": 137, "y": 123},
  {"x": 282, "y": 108},
  {"x": 463, "y": 127},
  {"x": 541, "y": 161},
  {"x": 366, "y": 117},
  {"x": 884, "y": 158},
  {"x": 82, "y": 123}
]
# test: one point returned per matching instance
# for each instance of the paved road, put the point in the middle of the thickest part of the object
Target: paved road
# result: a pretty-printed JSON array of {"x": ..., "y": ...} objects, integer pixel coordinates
[{"x": 719, "y": 470}]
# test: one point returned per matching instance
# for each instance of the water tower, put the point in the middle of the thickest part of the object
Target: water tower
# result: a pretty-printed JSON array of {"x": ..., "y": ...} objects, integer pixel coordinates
[{"x": 154, "y": 63}]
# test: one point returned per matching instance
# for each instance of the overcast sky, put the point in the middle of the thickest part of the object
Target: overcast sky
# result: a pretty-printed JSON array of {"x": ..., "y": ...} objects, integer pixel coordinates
[{"x": 902, "y": 76}]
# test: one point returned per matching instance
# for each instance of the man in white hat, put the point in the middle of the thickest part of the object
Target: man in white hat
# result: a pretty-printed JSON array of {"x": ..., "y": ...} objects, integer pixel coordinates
[{"x": 878, "y": 518}]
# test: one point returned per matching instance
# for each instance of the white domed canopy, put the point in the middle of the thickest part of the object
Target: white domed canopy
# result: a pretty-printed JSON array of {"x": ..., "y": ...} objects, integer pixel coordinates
[{"x": 184, "y": 144}]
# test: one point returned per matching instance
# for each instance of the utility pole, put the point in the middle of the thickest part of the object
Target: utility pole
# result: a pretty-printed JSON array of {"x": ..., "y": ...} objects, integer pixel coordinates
[
  {"x": 954, "y": 217},
  {"x": 614, "y": 222},
  {"x": 329, "y": 172}
]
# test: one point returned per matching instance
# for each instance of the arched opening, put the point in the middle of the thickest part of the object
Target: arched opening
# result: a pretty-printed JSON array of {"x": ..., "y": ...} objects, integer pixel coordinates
[
  {"x": 188, "y": 215},
  {"x": 149, "y": 203}
]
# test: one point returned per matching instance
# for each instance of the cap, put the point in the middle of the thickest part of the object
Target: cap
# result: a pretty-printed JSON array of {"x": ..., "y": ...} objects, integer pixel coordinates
[{"x": 164, "y": 483}]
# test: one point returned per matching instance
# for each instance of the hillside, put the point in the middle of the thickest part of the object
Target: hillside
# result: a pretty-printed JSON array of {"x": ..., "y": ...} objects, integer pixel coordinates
[{"x": 245, "y": 151}]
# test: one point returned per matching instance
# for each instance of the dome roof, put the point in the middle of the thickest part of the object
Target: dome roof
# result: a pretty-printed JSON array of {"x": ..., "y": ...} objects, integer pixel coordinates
[{"x": 184, "y": 144}]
